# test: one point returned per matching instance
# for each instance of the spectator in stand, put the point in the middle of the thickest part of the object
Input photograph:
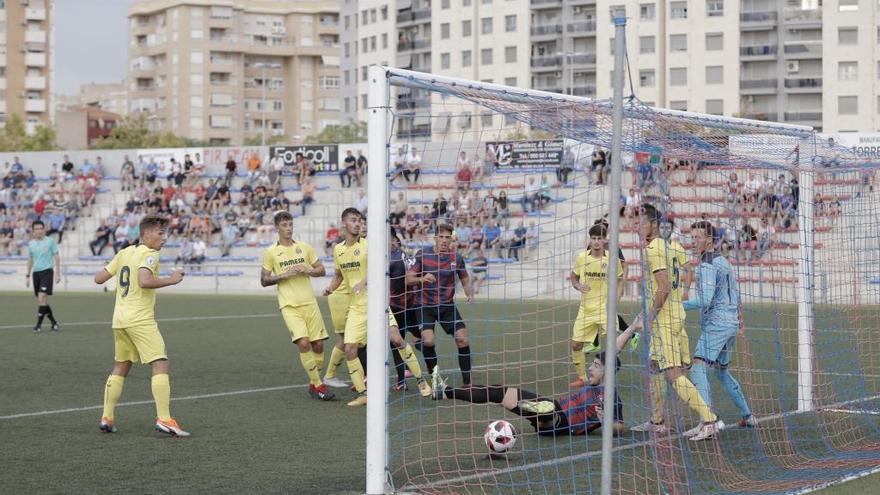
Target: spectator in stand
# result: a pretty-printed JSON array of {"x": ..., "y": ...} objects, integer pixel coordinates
[
  {"x": 331, "y": 238},
  {"x": 734, "y": 189},
  {"x": 7, "y": 237},
  {"x": 188, "y": 169},
  {"x": 349, "y": 168},
  {"x": 518, "y": 241},
  {"x": 479, "y": 266},
  {"x": 463, "y": 237},
  {"x": 398, "y": 209},
  {"x": 399, "y": 165},
  {"x": 597, "y": 164},
  {"x": 426, "y": 228},
  {"x": 16, "y": 171},
  {"x": 505, "y": 240},
  {"x": 544, "y": 196},
  {"x": 152, "y": 171},
  {"x": 101, "y": 240},
  {"x": 479, "y": 174},
  {"x": 362, "y": 165},
  {"x": 530, "y": 195},
  {"x": 362, "y": 203},
  {"x": 490, "y": 205},
  {"x": 86, "y": 168},
  {"x": 99, "y": 172},
  {"x": 492, "y": 234},
  {"x": 185, "y": 253},
  {"x": 533, "y": 237},
  {"x": 440, "y": 206},
  {"x": 176, "y": 176},
  {"x": 276, "y": 166},
  {"x": 253, "y": 168},
  {"x": 120, "y": 236},
  {"x": 231, "y": 167},
  {"x": 748, "y": 240},
  {"x": 67, "y": 168},
  {"x": 751, "y": 189},
  {"x": 644, "y": 171},
  {"x": 127, "y": 174},
  {"x": 478, "y": 236},
  {"x": 503, "y": 206},
  {"x": 413, "y": 165},
  {"x": 56, "y": 221},
  {"x": 566, "y": 166},
  {"x": 411, "y": 223},
  {"x": 304, "y": 166},
  {"x": 198, "y": 167},
  {"x": 463, "y": 172},
  {"x": 230, "y": 237},
  {"x": 766, "y": 237},
  {"x": 308, "y": 194},
  {"x": 199, "y": 248}
]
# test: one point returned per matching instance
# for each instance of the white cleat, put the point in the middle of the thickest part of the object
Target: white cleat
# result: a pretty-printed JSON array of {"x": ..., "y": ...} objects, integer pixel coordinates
[
  {"x": 335, "y": 382},
  {"x": 708, "y": 431},
  {"x": 651, "y": 427}
]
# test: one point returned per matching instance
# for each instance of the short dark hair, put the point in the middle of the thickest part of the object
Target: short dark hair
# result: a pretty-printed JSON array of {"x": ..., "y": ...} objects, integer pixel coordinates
[
  {"x": 445, "y": 227},
  {"x": 36, "y": 222},
  {"x": 351, "y": 211},
  {"x": 705, "y": 226},
  {"x": 394, "y": 235},
  {"x": 599, "y": 230},
  {"x": 601, "y": 357},
  {"x": 153, "y": 221},
  {"x": 651, "y": 213},
  {"x": 283, "y": 216}
]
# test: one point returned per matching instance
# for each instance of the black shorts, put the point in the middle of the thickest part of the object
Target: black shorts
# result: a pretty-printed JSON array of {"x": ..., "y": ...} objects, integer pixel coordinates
[
  {"x": 43, "y": 280},
  {"x": 407, "y": 321},
  {"x": 446, "y": 315}
]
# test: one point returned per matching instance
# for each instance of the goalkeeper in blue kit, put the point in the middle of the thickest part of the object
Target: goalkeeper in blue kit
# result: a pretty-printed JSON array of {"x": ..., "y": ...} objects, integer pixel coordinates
[{"x": 716, "y": 295}]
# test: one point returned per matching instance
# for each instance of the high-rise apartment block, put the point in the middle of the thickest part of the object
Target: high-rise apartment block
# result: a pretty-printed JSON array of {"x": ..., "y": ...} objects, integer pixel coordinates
[
  {"x": 26, "y": 61},
  {"x": 223, "y": 71}
]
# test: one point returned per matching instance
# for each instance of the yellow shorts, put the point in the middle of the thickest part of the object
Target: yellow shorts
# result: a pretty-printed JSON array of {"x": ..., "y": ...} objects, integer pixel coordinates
[
  {"x": 356, "y": 327},
  {"x": 669, "y": 345},
  {"x": 141, "y": 343},
  {"x": 304, "y": 321},
  {"x": 338, "y": 303},
  {"x": 392, "y": 321},
  {"x": 588, "y": 328}
]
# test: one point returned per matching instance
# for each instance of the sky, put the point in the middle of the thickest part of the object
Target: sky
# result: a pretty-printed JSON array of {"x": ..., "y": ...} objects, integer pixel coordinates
[{"x": 91, "y": 42}]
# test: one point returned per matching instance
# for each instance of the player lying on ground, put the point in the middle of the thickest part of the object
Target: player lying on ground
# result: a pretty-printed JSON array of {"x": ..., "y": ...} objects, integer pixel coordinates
[
  {"x": 135, "y": 332},
  {"x": 717, "y": 297},
  {"x": 576, "y": 413},
  {"x": 42, "y": 256},
  {"x": 289, "y": 264}
]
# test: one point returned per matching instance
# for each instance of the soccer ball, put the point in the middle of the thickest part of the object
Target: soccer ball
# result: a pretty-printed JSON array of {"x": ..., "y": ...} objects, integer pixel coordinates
[{"x": 500, "y": 436}]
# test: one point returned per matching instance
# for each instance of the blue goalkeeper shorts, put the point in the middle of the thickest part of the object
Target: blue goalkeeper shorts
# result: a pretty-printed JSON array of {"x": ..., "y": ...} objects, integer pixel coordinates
[{"x": 715, "y": 345}]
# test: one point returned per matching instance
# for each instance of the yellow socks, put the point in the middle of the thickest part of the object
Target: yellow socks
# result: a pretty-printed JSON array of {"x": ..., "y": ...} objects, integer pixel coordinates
[
  {"x": 357, "y": 374},
  {"x": 412, "y": 362},
  {"x": 319, "y": 360},
  {"x": 162, "y": 395},
  {"x": 337, "y": 355},
  {"x": 690, "y": 396},
  {"x": 112, "y": 392},
  {"x": 658, "y": 397},
  {"x": 308, "y": 362},
  {"x": 579, "y": 361}
]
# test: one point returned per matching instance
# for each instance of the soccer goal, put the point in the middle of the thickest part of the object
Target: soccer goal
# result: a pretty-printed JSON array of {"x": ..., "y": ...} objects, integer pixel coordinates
[{"x": 522, "y": 177}]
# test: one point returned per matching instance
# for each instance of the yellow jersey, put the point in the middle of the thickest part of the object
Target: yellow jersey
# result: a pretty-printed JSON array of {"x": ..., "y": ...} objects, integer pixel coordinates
[
  {"x": 351, "y": 262},
  {"x": 669, "y": 256},
  {"x": 591, "y": 272},
  {"x": 297, "y": 290},
  {"x": 134, "y": 305}
]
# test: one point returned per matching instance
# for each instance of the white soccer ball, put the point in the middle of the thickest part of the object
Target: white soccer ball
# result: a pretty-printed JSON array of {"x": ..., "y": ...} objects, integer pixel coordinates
[{"x": 500, "y": 436}]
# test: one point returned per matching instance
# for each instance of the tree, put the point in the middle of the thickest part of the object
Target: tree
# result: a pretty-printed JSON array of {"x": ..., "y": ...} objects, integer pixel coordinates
[
  {"x": 14, "y": 137},
  {"x": 270, "y": 140},
  {"x": 134, "y": 132},
  {"x": 352, "y": 132},
  {"x": 521, "y": 133}
]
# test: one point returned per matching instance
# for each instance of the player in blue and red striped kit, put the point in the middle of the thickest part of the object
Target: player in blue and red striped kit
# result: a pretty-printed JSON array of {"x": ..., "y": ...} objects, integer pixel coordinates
[
  {"x": 436, "y": 269},
  {"x": 576, "y": 413}
]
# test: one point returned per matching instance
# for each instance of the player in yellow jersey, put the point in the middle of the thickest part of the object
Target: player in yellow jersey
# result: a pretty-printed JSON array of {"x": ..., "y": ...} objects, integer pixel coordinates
[
  {"x": 350, "y": 261},
  {"x": 338, "y": 302},
  {"x": 289, "y": 264},
  {"x": 665, "y": 322},
  {"x": 135, "y": 332},
  {"x": 588, "y": 277}
]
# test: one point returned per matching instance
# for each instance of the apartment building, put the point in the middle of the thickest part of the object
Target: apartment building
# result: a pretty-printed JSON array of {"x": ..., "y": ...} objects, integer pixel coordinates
[
  {"x": 112, "y": 97},
  {"x": 26, "y": 58},
  {"x": 482, "y": 40},
  {"x": 224, "y": 71}
]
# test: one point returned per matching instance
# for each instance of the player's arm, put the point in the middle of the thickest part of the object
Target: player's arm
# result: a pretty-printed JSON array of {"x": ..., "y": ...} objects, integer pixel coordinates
[
  {"x": 148, "y": 280},
  {"x": 57, "y": 259},
  {"x": 334, "y": 283},
  {"x": 663, "y": 288},
  {"x": 267, "y": 278},
  {"x": 705, "y": 290},
  {"x": 27, "y": 274},
  {"x": 316, "y": 270},
  {"x": 107, "y": 272}
]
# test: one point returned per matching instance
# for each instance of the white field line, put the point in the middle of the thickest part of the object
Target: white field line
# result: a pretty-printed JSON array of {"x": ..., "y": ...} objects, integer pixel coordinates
[
  {"x": 836, "y": 482},
  {"x": 189, "y": 397},
  {"x": 597, "y": 453},
  {"x": 181, "y": 318}
]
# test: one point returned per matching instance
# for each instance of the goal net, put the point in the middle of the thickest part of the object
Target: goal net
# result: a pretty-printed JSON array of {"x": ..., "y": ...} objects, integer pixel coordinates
[{"x": 521, "y": 177}]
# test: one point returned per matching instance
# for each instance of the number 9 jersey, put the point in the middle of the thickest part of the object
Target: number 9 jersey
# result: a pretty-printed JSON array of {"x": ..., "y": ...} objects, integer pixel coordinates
[
  {"x": 134, "y": 305},
  {"x": 669, "y": 256}
]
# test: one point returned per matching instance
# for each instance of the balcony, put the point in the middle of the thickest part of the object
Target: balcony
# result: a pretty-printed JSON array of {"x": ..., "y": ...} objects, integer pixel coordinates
[
  {"x": 805, "y": 83},
  {"x": 758, "y": 21},
  {"x": 757, "y": 84},
  {"x": 35, "y": 59},
  {"x": 546, "y": 4},
  {"x": 413, "y": 15},
  {"x": 416, "y": 44},
  {"x": 547, "y": 62},
  {"x": 546, "y": 30},
  {"x": 34, "y": 82},
  {"x": 35, "y": 36},
  {"x": 35, "y": 14},
  {"x": 803, "y": 49},
  {"x": 588, "y": 90},
  {"x": 35, "y": 105},
  {"x": 794, "y": 15},
  {"x": 582, "y": 59},
  {"x": 804, "y": 116},
  {"x": 758, "y": 52},
  {"x": 769, "y": 116},
  {"x": 407, "y": 102},
  {"x": 581, "y": 27}
]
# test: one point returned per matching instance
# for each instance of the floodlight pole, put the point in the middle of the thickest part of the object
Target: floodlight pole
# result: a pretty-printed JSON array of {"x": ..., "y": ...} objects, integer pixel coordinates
[
  {"x": 806, "y": 280},
  {"x": 377, "y": 282},
  {"x": 613, "y": 246}
]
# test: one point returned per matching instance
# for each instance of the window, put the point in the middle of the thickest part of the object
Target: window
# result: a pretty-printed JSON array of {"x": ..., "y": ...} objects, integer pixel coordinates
[
  {"x": 346, "y": 49},
  {"x": 346, "y": 78},
  {"x": 444, "y": 31},
  {"x": 444, "y": 61},
  {"x": 510, "y": 23},
  {"x": 465, "y": 3},
  {"x": 847, "y": 71},
  {"x": 465, "y": 58},
  {"x": 714, "y": 8},
  {"x": 486, "y": 56},
  {"x": 372, "y": 15},
  {"x": 486, "y": 25},
  {"x": 678, "y": 76},
  {"x": 678, "y": 42},
  {"x": 647, "y": 11},
  {"x": 678, "y": 10},
  {"x": 847, "y": 105},
  {"x": 646, "y": 44},
  {"x": 714, "y": 42},
  {"x": 444, "y": 4},
  {"x": 510, "y": 54},
  {"x": 277, "y": 106},
  {"x": 714, "y": 74},
  {"x": 465, "y": 29},
  {"x": 372, "y": 43},
  {"x": 346, "y": 21},
  {"x": 196, "y": 57},
  {"x": 486, "y": 119},
  {"x": 384, "y": 12},
  {"x": 848, "y": 5},
  {"x": 196, "y": 34},
  {"x": 848, "y": 35},
  {"x": 364, "y": 19},
  {"x": 679, "y": 105},
  {"x": 384, "y": 40},
  {"x": 647, "y": 78},
  {"x": 715, "y": 107},
  {"x": 510, "y": 81}
]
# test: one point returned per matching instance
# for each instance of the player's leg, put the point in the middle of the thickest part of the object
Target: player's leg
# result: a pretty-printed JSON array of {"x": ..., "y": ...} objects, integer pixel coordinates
[
  {"x": 317, "y": 334},
  {"x": 356, "y": 337},
  {"x": 578, "y": 338},
  {"x": 399, "y": 365},
  {"x": 338, "y": 304},
  {"x": 125, "y": 353},
  {"x": 452, "y": 324},
  {"x": 428, "y": 318},
  {"x": 682, "y": 386},
  {"x": 732, "y": 386},
  {"x": 409, "y": 356},
  {"x": 151, "y": 350},
  {"x": 47, "y": 289},
  {"x": 296, "y": 322}
]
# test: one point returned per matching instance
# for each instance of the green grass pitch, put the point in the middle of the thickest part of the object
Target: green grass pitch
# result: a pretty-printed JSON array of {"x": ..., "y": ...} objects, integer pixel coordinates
[{"x": 238, "y": 386}]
